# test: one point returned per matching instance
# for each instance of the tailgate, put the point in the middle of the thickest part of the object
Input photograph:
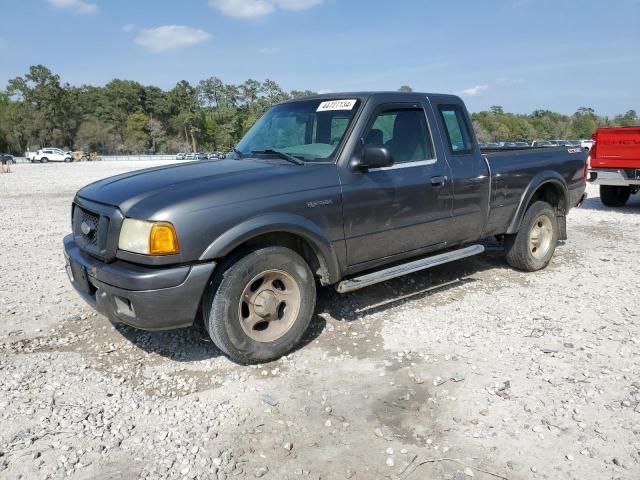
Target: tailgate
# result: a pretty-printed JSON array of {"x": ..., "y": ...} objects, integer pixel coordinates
[{"x": 616, "y": 148}]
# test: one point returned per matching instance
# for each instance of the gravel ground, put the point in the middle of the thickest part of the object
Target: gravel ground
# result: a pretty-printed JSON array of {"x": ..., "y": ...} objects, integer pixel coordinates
[{"x": 467, "y": 370}]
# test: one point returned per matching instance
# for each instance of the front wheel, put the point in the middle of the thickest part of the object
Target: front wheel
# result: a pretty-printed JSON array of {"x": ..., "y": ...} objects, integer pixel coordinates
[
  {"x": 613, "y": 196},
  {"x": 44, "y": 160},
  {"x": 533, "y": 246},
  {"x": 261, "y": 305}
]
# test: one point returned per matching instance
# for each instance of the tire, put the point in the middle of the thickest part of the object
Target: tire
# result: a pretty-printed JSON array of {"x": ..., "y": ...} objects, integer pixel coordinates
[
  {"x": 67, "y": 160},
  {"x": 44, "y": 160},
  {"x": 245, "y": 304},
  {"x": 613, "y": 196},
  {"x": 533, "y": 246}
]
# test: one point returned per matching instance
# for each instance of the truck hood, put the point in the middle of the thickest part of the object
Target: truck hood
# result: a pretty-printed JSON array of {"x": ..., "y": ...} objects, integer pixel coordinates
[{"x": 144, "y": 192}]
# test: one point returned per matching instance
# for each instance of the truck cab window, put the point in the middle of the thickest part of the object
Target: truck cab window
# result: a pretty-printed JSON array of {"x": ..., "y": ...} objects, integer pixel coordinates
[
  {"x": 310, "y": 130},
  {"x": 457, "y": 129},
  {"x": 404, "y": 132}
]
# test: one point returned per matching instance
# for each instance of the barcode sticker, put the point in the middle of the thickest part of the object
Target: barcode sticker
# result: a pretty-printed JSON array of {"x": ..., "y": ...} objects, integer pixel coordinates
[{"x": 336, "y": 105}]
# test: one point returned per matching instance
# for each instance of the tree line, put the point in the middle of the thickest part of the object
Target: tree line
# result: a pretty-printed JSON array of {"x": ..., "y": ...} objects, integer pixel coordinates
[{"x": 124, "y": 116}]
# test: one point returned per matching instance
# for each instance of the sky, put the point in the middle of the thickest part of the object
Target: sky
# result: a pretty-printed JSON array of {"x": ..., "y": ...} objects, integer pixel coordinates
[{"x": 521, "y": 54}]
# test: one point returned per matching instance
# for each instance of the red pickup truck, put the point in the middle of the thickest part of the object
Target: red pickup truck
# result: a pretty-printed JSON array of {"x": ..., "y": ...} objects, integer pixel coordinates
[{"x": 615, "y": 164}]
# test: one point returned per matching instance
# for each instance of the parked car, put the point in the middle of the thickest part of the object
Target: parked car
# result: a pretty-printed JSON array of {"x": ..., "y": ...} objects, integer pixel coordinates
[
  {"x": 615, "y": 164},
  {"x": 515, "y": 144},
  {"x": 489, "y": 145},
  {"x": 354, "y": 192},
  {"x": 51, "y": 155},
  {"x": 190, "y": 156},
  {"x": 6, "y": 158},
  {"x": 586, "y": 144},
  {"x": 543, "y": 143},
  {"x": 180, "y": 156},
  {"x": 202, "y": 156},
  {"x": 562, "y": 143}
]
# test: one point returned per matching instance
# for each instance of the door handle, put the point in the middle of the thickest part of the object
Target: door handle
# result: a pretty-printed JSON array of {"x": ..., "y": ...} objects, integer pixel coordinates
[{"x": 438, "y": 181}]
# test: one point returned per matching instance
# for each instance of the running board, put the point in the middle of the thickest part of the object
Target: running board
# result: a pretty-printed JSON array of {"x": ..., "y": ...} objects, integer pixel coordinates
[{"x": 357, "y": 283}]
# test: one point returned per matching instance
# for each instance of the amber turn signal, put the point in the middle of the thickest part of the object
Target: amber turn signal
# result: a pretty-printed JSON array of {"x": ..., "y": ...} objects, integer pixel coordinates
[{"x": 163, "y": 240}]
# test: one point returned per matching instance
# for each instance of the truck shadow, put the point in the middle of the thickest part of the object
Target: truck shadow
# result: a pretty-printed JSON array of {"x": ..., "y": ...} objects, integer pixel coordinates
[
  {"x": 594, "y": 203},
  {"x": 193, "y": 344},
  {"x": 411, "y": 288}
]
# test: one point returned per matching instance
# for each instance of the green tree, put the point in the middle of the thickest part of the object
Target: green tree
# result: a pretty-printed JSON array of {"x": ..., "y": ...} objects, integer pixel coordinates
[{"x": 137, "y": 133}]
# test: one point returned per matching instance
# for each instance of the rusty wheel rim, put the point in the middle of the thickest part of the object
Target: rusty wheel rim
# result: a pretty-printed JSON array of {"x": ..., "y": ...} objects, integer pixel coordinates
[
  {"x": 269, "y": 305},
  {"x": 540, "y": 237}
]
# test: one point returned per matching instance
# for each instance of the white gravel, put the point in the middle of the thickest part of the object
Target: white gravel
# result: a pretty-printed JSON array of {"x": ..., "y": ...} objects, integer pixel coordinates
[{"x": 467, "y": 370}]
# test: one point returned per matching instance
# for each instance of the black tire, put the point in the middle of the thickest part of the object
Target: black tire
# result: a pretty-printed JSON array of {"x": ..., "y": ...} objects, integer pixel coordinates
[
  {"x": 67, "y": 160},
  {"x": 223, "y": 308},
  {"x": 522, "y": 252},
  {"x": 613, "y": 196},
  {"x": 44, "y": 160}
]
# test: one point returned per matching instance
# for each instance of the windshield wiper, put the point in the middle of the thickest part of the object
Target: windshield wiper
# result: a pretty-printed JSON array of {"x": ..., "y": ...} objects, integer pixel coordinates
[{"x": 283, "y": 155}]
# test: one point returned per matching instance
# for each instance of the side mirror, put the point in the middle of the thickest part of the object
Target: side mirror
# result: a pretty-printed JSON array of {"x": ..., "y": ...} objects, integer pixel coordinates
[{"x": 372, "y": 156}]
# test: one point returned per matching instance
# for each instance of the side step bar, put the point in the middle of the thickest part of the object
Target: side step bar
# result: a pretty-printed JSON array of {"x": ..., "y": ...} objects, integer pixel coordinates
[{"x": 357, "y": 283}]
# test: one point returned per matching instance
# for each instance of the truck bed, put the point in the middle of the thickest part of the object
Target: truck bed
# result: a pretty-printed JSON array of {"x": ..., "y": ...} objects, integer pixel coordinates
[{"x": 513, "y": 170}]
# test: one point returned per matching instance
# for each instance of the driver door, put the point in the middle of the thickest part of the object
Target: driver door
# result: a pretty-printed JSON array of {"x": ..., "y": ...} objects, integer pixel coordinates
[{"x": 405, "y": 208}]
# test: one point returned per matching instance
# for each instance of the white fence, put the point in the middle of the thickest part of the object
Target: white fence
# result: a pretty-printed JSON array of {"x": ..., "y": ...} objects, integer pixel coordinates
[
  {"x": 122, "y": 158},
  {"x": 137, "y": 158}
]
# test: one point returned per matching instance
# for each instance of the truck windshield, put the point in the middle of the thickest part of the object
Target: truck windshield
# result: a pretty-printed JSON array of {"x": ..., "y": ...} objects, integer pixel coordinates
[{"x": 310, "y": 130}]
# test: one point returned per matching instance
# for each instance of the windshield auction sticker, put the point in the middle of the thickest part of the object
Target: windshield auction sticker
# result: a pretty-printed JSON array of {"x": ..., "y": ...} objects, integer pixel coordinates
[{"x": 336, "y": 105}]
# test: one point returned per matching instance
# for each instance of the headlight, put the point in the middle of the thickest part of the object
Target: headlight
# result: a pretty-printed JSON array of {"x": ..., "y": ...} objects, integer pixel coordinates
[{"x": 148, "y": 238}]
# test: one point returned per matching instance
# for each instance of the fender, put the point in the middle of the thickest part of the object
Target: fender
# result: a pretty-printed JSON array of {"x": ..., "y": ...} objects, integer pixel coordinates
[
  {"x": 548, "y": 176},
  {"x": 273, "y": 223}
]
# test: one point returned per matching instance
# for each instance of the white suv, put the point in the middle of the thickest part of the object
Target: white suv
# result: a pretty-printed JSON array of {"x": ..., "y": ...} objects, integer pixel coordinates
[{"x": 51, "y": 155}]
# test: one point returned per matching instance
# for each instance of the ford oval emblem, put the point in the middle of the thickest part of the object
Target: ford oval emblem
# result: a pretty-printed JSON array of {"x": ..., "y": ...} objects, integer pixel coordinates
[{"x": 86, "y": 228}]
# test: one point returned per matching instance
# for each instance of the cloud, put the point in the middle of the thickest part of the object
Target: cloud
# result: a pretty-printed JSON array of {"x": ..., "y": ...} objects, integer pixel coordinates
[
  {"x": 243, "y": 8},
  {"x": 129, "y": 27},
  {"x": 76, "y": 6},
  {"x": 170, "y": 37},
  {"x": 475, "y": 90},
  {"x": 259, "y": 8},
  {"x": 269, "y": 50},
  {"x": 296, "y": 4}
]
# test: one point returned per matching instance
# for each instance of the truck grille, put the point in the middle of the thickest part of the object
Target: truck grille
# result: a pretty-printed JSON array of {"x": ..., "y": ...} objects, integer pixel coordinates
[
  {"x": 90, "y": 230},
  {"x": 92, "y": 220}
]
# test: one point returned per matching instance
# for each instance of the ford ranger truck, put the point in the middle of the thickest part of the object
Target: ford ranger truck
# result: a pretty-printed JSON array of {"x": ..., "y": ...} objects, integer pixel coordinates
[
  {"x": 615, "y": 164},
  {"x": 343, "y": 189}
]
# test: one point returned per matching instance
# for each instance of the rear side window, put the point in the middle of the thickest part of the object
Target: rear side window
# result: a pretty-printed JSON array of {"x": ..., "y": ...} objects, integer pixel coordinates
[{"x": 458, "y": 132}]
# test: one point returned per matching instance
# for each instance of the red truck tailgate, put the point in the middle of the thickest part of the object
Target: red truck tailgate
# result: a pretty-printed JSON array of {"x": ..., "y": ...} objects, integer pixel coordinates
[{"x": 616, "y": 148}]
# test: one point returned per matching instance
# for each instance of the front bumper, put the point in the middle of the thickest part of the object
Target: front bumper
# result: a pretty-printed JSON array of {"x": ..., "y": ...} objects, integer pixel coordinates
[
  {"x": 149, "y": 298},
  {"x": 620, "y": 177}
]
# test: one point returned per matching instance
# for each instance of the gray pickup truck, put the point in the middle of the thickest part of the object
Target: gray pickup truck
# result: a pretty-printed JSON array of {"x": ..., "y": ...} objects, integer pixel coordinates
[{"x": 341, "y": 189}]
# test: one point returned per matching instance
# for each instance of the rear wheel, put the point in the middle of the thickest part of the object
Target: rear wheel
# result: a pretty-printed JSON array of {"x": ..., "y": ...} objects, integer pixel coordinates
[
  {"x": 533, "y": 246},
  {"x": 613, "y": 196},
  {"x": 261, "y": 305},
  {"x": 44, "y": 160}
]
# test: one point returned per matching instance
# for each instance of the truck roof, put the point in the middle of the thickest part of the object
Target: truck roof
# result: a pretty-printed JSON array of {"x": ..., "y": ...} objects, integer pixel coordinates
[{"x": 378, "y": 95}]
